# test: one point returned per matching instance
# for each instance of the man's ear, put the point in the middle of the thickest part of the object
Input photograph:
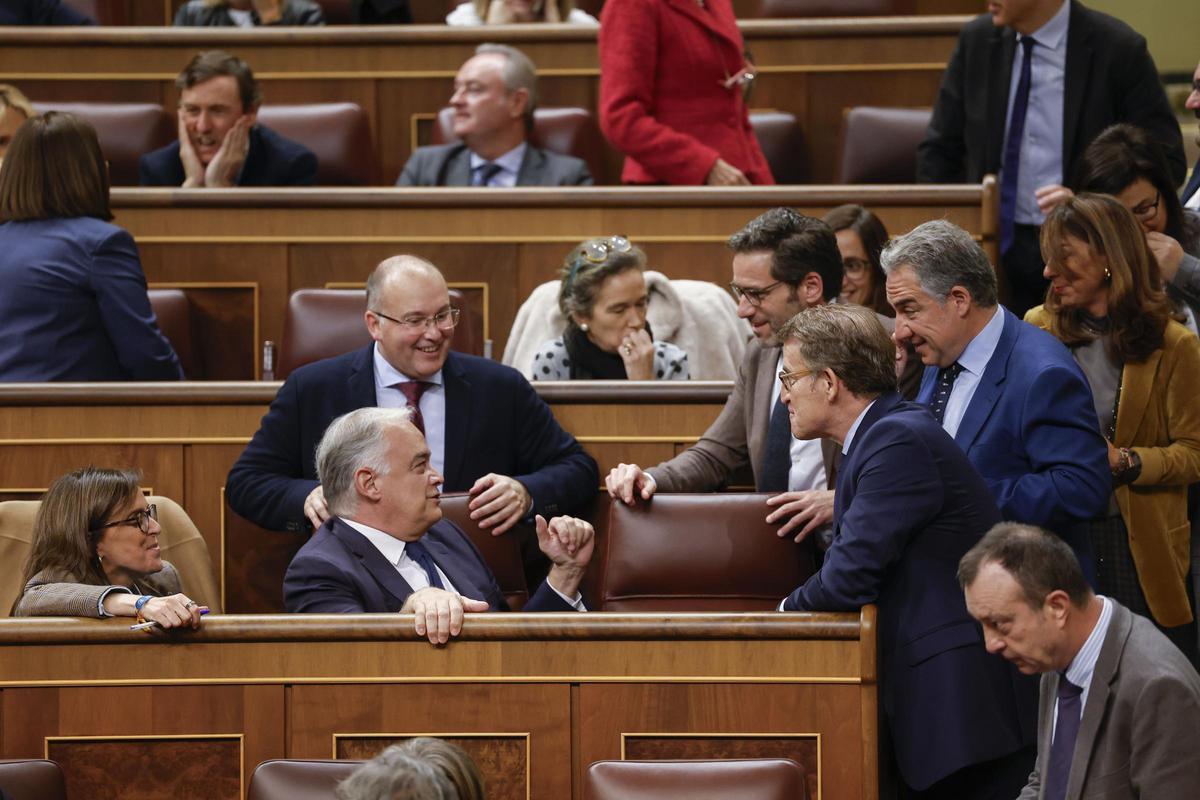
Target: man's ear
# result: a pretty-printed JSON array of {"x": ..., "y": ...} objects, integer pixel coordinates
[
  {"x": 518, "y": 102},
  {"x": 812, "y": 290},
  {"x": 962, "y": 300},
  {"x": 365, "y": 484},
  {"x": 252, "y": 113},
  {"x": 1057, "y": 607},
  {"x": 373, "y": 325},
  {"x": 833, "y": 386}
]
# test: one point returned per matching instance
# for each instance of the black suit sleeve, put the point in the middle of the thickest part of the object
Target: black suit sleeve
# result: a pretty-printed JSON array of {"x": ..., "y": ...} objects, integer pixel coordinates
[
  {"x": 941, "y": 156},
  {"x": 314, "y": 586},
  {"x": 1142, "y": 102},
  {"x": 303, "y": 170}
]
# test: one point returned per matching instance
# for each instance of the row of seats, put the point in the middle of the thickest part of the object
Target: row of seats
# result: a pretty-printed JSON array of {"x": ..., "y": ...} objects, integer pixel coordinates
[
  {"x": 316, "y": 779},
  {"x": 878, "y": 145}
]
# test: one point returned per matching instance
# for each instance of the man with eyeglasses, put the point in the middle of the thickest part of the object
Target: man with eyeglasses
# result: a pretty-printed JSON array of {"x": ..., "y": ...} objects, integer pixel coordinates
[
  {"x": 488, "y": 431},
  {"x": 783, "y": 262},
  {"x": 909, "y": 505}
]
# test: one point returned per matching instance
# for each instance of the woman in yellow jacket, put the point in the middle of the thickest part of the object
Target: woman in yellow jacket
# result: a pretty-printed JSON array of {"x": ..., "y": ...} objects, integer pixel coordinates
[{"x": 1106, "y": 303}]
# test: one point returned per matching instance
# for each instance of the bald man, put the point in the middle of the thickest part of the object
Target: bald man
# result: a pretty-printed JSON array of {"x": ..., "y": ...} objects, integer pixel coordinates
[{"x": 488, "y": 431}]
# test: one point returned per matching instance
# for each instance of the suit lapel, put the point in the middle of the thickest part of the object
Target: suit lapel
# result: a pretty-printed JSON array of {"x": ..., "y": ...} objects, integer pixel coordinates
[
  {"x": 844, "y": 494},
  {"x": 458, "y": 168},
  {"x": 760, "y": 405},
  {"x": 385, "y": 574},
  {"x": 990, "y": 385},
  {"x": 1078, "y": 70},
  {"x": 458, "y": 420},
  {"x": 1001, "y": 50},
  {"x": 533, "y": 165},
  {"x": 1193, "y": 185},
  {"x": 362, "y": 379},
  {"x": 1137, "y": 381},
  {"x": 464, "y": 584},
  {"x": 1098, "y": 694}
]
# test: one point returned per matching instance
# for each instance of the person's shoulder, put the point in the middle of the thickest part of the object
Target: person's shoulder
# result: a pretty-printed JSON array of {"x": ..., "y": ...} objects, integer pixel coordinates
[
  {"x": 1105, "y": 25},
  {"x": 980, "y": 29},
  {"x": 280, "y": 144},
  {"x": 558, "y": 164},
  {"x": 90, "y": 231},
  {"x": 335, "y": 368},
  {"x": 485, "y": 368},
  {"x": 1035, "y": 350},
  {"x": 432, "y": 152},
  {"x": 1149, "y": 658}
]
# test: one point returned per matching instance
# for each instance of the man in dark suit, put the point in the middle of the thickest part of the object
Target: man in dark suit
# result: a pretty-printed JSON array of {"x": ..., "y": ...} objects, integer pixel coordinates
[
  {"x": 495, "y": 94},
  {"x": 1191, "y": 192},
  {"x": 1011, "y": 395},
  {"x": 41, "y": 12},
  {"x": 220, "y": 143},
  {"x": 488, "y": 430},
  {"x": 1119, "y": 715},
  {"x": 908, "y": 505},
  {"x": 386, "y": 547},
  {"x": 1086, "y": 71}
]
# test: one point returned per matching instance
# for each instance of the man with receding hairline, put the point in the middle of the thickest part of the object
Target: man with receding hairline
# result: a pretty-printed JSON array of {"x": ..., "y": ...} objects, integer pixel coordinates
[{"x": 488, "y": 431}]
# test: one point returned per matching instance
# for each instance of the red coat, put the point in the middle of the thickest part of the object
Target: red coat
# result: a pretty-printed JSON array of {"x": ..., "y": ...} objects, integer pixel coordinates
[{"x": 662, "y": 102}]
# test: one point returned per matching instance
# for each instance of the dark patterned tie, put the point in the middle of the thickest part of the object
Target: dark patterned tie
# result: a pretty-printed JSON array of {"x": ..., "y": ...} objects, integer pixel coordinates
[
  {"x": 777, "y": 460},
  {"x": 941, "y": 393},
  {"x": 1011, "y": 165},
  {"x": 412, "y": 393},
  {"x": 417, "y": 552},
  {"x": 1066, "y": 730},
  {"x": 483, "y": 174}
]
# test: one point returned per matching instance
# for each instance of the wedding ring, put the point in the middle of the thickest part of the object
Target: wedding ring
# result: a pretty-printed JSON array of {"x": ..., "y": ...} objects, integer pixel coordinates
[
  {"x": 189, "y": 604},
  {"x": 627, "y": 349}
]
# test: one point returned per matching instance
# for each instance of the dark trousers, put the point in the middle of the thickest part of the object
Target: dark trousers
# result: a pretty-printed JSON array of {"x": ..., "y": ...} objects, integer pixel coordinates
[
  {"x": 1023, "y": 266},
  {"x": 999, "y": 779}
]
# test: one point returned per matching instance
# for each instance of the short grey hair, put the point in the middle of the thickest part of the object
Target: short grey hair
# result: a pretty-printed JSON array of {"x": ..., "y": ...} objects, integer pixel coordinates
[
  {"x": 394, "y": 774},
  {"x": 943, "y": 256},
  {"x": 351, "y": 442},
  {"x": 518, "y": 73},
  {"x": 848, "y": 339}
]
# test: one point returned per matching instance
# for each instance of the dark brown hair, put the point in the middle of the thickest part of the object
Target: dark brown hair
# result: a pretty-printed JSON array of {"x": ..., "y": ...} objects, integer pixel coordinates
[
  {"x": 214, "y": 63},
  {"x": 54, "y": 168},
  {"x": 798, "y": 245},
  {"x": 1138, "y": 310},
  {"x": 451, "y": 760},
  {"x": 874, "y": 236},
  {"x": 1038, "y": 561}
]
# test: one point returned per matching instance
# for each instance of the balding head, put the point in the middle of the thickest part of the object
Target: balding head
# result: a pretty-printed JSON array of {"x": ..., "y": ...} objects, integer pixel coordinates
[
  {"x": 398, "y": 268},
  {"x": 404, "y": 294}
]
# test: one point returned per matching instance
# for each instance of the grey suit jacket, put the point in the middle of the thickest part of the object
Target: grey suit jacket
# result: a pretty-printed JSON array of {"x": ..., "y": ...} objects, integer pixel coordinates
[
  {"x": 47, "y": 595},
  {"x": 1141, "y": 723},
  {"x": 450, "y": 165}
]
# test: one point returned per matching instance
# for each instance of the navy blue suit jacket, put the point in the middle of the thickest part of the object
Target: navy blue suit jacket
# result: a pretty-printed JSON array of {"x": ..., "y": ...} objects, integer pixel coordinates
[
  {"x": 495, "y": 422},
  {"x": 272, "y": 160},
  {"x": 1031, "y": 431},
  {"x": 908, "y": 506},
  {"x": 1193, "y": 184},
  {"x": 41, "y": 12},
  {"x": 339, "y": 571},
  {"x": 73, "y": 306}
]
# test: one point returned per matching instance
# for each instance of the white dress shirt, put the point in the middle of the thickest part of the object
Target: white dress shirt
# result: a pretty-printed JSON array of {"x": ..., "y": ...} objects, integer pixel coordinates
[
  {"x": 509, "y": 163},
  {"x": 393, "y": 550},
  {"x": 432, "y": 403},
  {"x": 974, "y": 361},
  {"x": 808, "y": 462}
]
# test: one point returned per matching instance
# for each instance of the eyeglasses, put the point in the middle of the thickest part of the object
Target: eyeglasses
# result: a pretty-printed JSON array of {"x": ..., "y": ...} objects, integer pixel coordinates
[
  {"x": 788, "y": 379},
  {"x": 1146, "y": 211},
  {"x": 753, "y": 296},
  {"x": 855, "y": 267},
  {"x": 140, "y": 519},
  {"x": 597, "y": 251},
  {"x": 443, "y": 320}
]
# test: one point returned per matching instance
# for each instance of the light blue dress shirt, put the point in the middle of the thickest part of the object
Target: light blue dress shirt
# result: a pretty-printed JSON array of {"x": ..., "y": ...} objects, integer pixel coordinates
[
  {"x": 432, "y": 403},
  {"x": 509, "y": 163},
  {"x": 974, "y": 361},
  {"x": 1083, "y": 665},
  {"x": 1042, "y": 144}
]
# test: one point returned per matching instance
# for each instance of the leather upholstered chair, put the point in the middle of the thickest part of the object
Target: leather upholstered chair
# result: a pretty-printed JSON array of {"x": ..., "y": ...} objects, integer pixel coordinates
[
  {"x": 879, "y": 145},
  {"x": 337, "y": 12},
  {"x": 501, "y": 553},
  {"x": 568, "y": 131},
  {"x": 322, "y": 323},
  {"x": 782, "y": 143},
  {"x": 299, "y": 779},
  {"x": 180, "y": 541},
  {"x": 694, "y": 552},
  {"x": 339, "y": 134},
  {"x": 32, "y": 779},
  {"x": 745, "y": 779},
  {"x": 174, "y": 313},
  {"x": 127, "y": 131},
  {"x": 779, "y": 9}
]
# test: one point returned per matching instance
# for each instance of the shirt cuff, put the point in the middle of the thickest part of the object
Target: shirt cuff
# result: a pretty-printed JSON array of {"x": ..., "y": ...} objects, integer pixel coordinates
[
  {"x": 107, "y": 592},
  {"x": 575, "y": 603},
  {"x": 782, "y": 603}
]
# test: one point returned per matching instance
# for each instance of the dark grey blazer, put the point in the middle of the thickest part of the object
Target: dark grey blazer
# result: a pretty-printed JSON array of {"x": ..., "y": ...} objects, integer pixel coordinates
[{"x": 450, "y": 165}]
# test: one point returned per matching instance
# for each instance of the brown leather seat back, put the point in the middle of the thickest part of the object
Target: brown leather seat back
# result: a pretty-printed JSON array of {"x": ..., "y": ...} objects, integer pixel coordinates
[
  {"x": 337, "y": 12},
  {"x": 174, "y": 313},
  {"x": 32, "y": 779},
  {"x": 127, "y": 131},
  {"x": 322, "y": 323},
  {"x": 501, "y": 553},
  {"x": 697, "y": 552},
  {"x": 782, "y": 143},
  {"x": 879, "y": 145},
  {"x": 832, "y": 8},
  {"x": 339, "y": 134},
  {"x": 568, "y": 131},
  {"x": 299, "y": 779},
  {"x": 745, "y": 779}
]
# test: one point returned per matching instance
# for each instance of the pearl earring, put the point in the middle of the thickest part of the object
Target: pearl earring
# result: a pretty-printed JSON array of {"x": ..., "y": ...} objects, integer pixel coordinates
[
  {"x": 1107, "y": 276},
  {"x": 584, "y": 327}
]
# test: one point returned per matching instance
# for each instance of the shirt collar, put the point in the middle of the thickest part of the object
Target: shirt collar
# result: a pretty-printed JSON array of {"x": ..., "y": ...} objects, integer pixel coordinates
[
  {"x": 1084, "y": 663},
  {"x": 387, "y": 375},
  {"x": 1054, "y": 33},
  {"x": 854, "y": 428},
  {"x": 389, "y": 546},
  {"x": 511, "y": 161},
  {"x": 978, "y": 353}
]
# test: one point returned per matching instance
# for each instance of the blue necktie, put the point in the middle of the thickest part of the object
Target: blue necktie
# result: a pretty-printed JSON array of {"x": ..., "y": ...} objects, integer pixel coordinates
[
  {"x": 417, "y": 552},
  {"x": 1011, "y": 165},
  {"x": 941, "y": 392},
  {"x": 777, "y": 460},
  {"x": 1066, "y": 730},
  {"x": 483, "y": 174}
]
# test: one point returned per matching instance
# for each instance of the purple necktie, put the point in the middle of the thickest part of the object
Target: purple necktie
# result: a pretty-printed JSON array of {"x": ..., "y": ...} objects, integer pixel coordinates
[
  {"x": 1012, "y": 148},
  {"x": 1066, "y": 730},
  {"x": 412, "y": 392}
]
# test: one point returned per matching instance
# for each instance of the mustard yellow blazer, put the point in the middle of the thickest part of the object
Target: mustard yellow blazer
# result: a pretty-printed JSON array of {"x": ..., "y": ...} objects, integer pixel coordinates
[{"x": 1159, "y": 419}]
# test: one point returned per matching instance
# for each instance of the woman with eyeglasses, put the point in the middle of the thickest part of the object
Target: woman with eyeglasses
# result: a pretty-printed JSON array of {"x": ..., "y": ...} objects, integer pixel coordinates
[
  {"x": 1125, "y": 162},
  {"x": 95, "y": 553},
  {"x": 861, "y": 237},
  {"x": 603, "y": 297},
  {"x": 1106, "y": 304}
]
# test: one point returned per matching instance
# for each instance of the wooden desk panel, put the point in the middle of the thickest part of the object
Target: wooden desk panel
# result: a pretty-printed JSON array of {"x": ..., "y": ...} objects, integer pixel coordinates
[
  {"x": 402, "y": 75},
  {"x": 537, "y": 696}
]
